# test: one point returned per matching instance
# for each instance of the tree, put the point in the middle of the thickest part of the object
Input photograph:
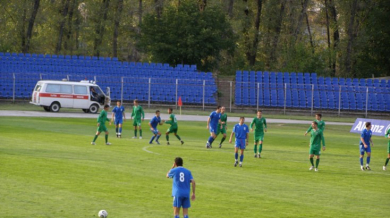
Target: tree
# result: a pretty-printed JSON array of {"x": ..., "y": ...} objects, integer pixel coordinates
[
  {"x": 64, "y": 14},
  {"x": 31, "y": 22},
  {"x": 99, "y": 30},
  {"x": 117, "y": 18},
  {"x": 184, "y": 35}
]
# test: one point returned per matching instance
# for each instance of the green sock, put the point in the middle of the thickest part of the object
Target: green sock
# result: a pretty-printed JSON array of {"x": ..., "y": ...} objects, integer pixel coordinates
[
  {"x": 223, "y": 139},
  {"x": 255, "y": 148},
  {"x": 317, "y": 162},
  {"x": 94, "y": 139},
  {"x": 311, "y": 161},
  {"x": 387, "y": 161},
  {"x": 106, "y": 138},
  {"x": 260, "y": 148},
  {"x": 140, "y": 132},
  {"x": 167, "y": 137},
  {"x": 178, "y": 137},
  {"x": 135, "y": 133}
]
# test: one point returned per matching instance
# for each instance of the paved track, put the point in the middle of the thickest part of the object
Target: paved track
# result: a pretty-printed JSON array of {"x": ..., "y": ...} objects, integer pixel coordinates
[{"x": 8, "y": 113}]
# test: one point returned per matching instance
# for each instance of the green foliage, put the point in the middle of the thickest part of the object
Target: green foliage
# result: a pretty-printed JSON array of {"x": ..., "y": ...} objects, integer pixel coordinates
[
  {"x": 185, "y": 35},
  {"x": 52, "y": 170}
]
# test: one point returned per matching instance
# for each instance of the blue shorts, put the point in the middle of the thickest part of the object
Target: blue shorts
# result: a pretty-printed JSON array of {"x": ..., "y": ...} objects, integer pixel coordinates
[
  {"x": 363, "y": 149},
  {"x": 118, "y": 121},
  {"x": 214, "y": 129},
  {"x": 240, "y": 143},
  {"x": 180, "y": 201},
  {"x": 155, "y": 131}
]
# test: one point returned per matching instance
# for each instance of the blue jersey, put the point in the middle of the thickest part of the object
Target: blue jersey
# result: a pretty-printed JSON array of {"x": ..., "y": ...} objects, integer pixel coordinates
[
  {"x": 214, "y": 119},
  {"x": 155, "y": 121},
  {"x": 240, "y": 131},
  {"x": 366, "y": 135},
  {"x": 181, "y": 181},
  {"x": 118, "y": 112}
]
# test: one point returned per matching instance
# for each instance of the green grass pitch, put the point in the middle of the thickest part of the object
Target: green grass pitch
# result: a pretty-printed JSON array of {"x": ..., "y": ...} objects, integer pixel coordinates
[{"x": 48, "y": 168}]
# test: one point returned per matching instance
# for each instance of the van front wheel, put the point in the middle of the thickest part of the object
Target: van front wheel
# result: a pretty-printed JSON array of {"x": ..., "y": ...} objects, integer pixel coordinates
[
  {"x": 55, "y": 107},
  {"x": 94, "y": 109}
]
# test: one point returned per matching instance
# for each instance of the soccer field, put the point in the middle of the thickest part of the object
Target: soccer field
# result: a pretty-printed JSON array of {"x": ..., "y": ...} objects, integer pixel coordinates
[{"x": 48, "y": 168}]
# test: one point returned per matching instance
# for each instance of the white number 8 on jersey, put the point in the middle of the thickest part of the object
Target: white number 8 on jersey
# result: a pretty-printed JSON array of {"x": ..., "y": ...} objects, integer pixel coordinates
[{"x": 181, "y": 177}]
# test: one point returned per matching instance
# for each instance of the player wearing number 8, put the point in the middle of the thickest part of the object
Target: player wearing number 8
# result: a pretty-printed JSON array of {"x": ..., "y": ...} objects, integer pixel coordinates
[{"x": 182, "y": 178}]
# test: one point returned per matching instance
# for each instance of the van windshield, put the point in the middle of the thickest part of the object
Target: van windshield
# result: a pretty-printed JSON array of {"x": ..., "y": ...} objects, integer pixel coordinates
[{"x": 96, "y": 90}]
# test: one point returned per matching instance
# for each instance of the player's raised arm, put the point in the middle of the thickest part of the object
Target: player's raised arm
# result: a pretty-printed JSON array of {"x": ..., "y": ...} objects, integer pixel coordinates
[
  {"x": 169, "y": 175},
  {"x": 193, "y": 189},
  {"x": 308, "y": 130}
]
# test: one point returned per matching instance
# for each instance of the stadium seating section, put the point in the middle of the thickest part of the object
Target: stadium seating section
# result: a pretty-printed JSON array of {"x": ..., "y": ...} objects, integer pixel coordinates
[
  {"x": 296, "y": 90},
  {"x": 29, "y": 68}
]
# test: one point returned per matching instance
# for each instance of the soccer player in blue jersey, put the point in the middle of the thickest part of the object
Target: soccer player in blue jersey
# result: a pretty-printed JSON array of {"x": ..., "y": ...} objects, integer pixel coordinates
[
  {"x": 118, "y": 116},
  {"x": 241, "y": 131},
  {"x": 212, "y": 125},
  {"x": 182, "y": 178},
  {"x": 365, "y": 146},
  {"x": 156, "y": 120}
]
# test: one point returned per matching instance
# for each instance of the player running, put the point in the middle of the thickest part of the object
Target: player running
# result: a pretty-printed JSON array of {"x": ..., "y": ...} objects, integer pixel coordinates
[
  {"x": 173, "y": 128},
  {"x": 315, "y": 145},
  {"x": 118, "y": 116},
  {"x": 101, "y": 125},
  {"x": 139, "y": 115},
  {"x": 153, "y": 127},
  {"x": 182, "y": 178},
  {"x": 387, "y": 135},
  {"x": 212, "y": 125},
  {"x": 222, "y": 126},
  {"x": 241, "y": 131},
  {"x": 260, "y": 127},
  {"x": 365, "y": 146},
  {"x": 320, "y": 124}
]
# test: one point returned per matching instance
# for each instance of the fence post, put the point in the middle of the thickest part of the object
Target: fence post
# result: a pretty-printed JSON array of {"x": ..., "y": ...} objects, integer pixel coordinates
[
  {"x": 67, "y": 77},
  {"x": 339, "y": 99},
  {"x": 258, "y": 95},
  {"x": 150, "y": 81},
  {"x": 204, "y": 86},
  {"x": 122, "y": 90},
  {"x": 285, "y": 98},
  {"x": 13, "y": 95},
  {"x": 312, "y": 98},
  {"x": 230, "y": 99},
  {"x": 177, "y": 84},
  {"x": 94, "y": 78},
  {"x": 40, "y": 76},
  {"x": 366, "y": 101}
]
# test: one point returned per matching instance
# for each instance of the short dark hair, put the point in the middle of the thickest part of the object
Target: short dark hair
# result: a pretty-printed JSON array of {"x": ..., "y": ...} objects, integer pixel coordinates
[
  {"x": 136, "y": 100},
  {"x": 368, "y": 124},
  {"x": 157, "y": 111},
  {"x": 259, "y": 111},
  {"x": 320, "y": 115},
  {"x": 242, "y": 118},
  {"x": 170, "y": 109},
  {"x": 314, "y": 122},
  {"x": 218, "y": 107},
  {"x": 106, "y": 106},
  {"x": 179, "y": 161}
]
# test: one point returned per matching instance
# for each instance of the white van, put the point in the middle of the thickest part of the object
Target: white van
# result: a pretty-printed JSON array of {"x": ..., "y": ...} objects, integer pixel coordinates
[{"x": 86, "y": 95}]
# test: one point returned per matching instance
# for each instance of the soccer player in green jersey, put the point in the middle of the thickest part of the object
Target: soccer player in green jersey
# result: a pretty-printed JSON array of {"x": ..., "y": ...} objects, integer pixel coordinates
[
  {"x": 261, "y": 126},
  {"x": 387, "y": 135},
  {"x": 139, "y": 115},
  {"x": 101, "y": 125},
  {"x": 173, "y": 128},
  {"x": 320, "y": 124},
  {"x": 222, "y": 126},
  {"x": 315, "y": 145}
]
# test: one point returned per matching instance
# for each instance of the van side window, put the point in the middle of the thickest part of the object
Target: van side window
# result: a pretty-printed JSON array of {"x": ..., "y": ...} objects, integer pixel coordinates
[
  {"x": 67, "y": 89},
  {"x": 80, "y": 90},
  {"x": 54, "y": 88}
]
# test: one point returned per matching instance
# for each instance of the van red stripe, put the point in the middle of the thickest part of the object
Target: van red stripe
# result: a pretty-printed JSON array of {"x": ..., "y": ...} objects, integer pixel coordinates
[{"x": 52, "y": 95}]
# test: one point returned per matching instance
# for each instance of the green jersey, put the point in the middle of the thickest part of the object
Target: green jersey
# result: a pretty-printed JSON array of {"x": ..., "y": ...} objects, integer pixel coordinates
[
  {"x": 316, "y": 138},
  {"x": 138, "y": 112},
  {"x": 320, "y": 124},
  {"x": 260, "y": 123},
  {"x": 223, "y": 119},
  {"x": 102, "y": 117},
  {"x": 172, "y": 121}
]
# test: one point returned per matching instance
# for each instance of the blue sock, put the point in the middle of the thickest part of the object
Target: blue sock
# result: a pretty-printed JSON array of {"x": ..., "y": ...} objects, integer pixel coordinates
[
  {"x": 186, "y": 216},
  {"x": 151, "y": 140},
  {"x": 116, "y": 130},
  {"x": 211, "y": 139},
  {"x": 120, "y": 129},
  {"x": 236, "y": 156},
  {"x": 368, "y": 160},
  {"x": 361, "y": 161},
  {"x": 241, "y": 157},
  {"x": 158, "y": 136}
]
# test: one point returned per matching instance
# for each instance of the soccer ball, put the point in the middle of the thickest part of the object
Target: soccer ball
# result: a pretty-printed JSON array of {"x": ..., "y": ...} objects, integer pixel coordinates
[{"x": 102, "y": 214}]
